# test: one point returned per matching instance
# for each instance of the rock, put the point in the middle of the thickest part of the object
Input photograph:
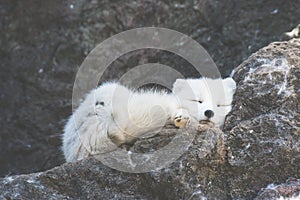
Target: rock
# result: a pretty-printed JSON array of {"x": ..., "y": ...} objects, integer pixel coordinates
[
  {"x": 43, "y": 45},
  {"x": 289, "y": 190},
  {"x": 194, "y": 175},
  {"x": 87, "y": 179},
  {"x": 263, "y": 129},
  {"x": 41, "y": 51},
  {"x": 253, "y": 156}
]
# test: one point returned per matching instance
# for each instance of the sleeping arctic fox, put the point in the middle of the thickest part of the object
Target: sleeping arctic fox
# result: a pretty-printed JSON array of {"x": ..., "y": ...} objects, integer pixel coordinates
[
  {"x": 112, "y": 114},
  {"x": 206, "y": 99}
]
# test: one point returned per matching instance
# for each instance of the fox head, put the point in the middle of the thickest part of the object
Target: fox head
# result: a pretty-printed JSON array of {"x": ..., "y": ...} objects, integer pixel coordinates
[{"x": 205, "y": 98}]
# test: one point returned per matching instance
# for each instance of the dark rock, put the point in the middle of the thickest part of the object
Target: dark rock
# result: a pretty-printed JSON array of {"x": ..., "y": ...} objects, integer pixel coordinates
[
  {"x": 263, "y": 128},
  {"x": 42, "y": 45},
  {"x": 196, "y": 174},
  {"x": 44, "y": 42},
  {"x": 288, "y": 190},
  {"x": 259, "y": 148}
]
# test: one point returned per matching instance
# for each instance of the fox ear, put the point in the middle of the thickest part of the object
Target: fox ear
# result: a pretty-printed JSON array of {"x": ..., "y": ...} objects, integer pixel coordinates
[
  {"x": 179, "y": 85},
  {"x": 230, "y": 84}
]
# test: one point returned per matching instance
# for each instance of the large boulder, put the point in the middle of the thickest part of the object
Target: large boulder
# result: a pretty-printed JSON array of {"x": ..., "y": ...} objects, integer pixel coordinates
[
  {"x": 258, "y": 149},
  {"x": 263, "y": 128},
  {"x": 197, "y": 173}
]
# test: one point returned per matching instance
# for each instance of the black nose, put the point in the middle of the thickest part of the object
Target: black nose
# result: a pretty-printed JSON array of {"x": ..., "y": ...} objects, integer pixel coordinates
[{"x": 209, "y": 113}]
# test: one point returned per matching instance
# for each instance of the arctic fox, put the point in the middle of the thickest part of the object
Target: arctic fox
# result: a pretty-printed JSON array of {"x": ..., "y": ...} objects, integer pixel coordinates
[{"x": 112, "y": 114}]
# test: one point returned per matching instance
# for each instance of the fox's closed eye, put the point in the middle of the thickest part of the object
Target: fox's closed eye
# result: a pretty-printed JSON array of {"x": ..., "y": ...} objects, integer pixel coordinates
[
  {"x": 99, "y": 103},
  {"x": 223, "y": 105},
  {"x": 198, "y": 101}
]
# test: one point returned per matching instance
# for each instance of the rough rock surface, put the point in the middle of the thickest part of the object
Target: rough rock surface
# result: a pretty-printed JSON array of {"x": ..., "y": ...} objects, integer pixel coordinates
[
  {"x": 187, "y": 178},
  {"x": 290, "y": 189},
  {"x": 259, "y": 148},
  {"x": 44, "y": 42},
  {"x": 263, "y": 128}
]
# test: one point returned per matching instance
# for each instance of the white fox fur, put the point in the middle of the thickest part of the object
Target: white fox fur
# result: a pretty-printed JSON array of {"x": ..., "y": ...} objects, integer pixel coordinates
[
  {"x": 112, "y": 114},
  {"x": 200, "y": 95}
]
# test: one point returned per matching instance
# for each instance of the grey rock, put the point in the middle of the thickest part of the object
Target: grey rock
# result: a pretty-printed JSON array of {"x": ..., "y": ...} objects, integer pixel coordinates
[
  {"x": 263, "y": 129},
  {"x": 44, "y": 43},
  {"x": 194, "y": 175},
  {"x": 254, "y": 155},
  {"x": 288, "y": 190}
]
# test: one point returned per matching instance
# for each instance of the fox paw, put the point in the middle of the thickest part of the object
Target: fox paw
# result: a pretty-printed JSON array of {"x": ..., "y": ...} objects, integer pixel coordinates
[{"x": 182, "y": 119}]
